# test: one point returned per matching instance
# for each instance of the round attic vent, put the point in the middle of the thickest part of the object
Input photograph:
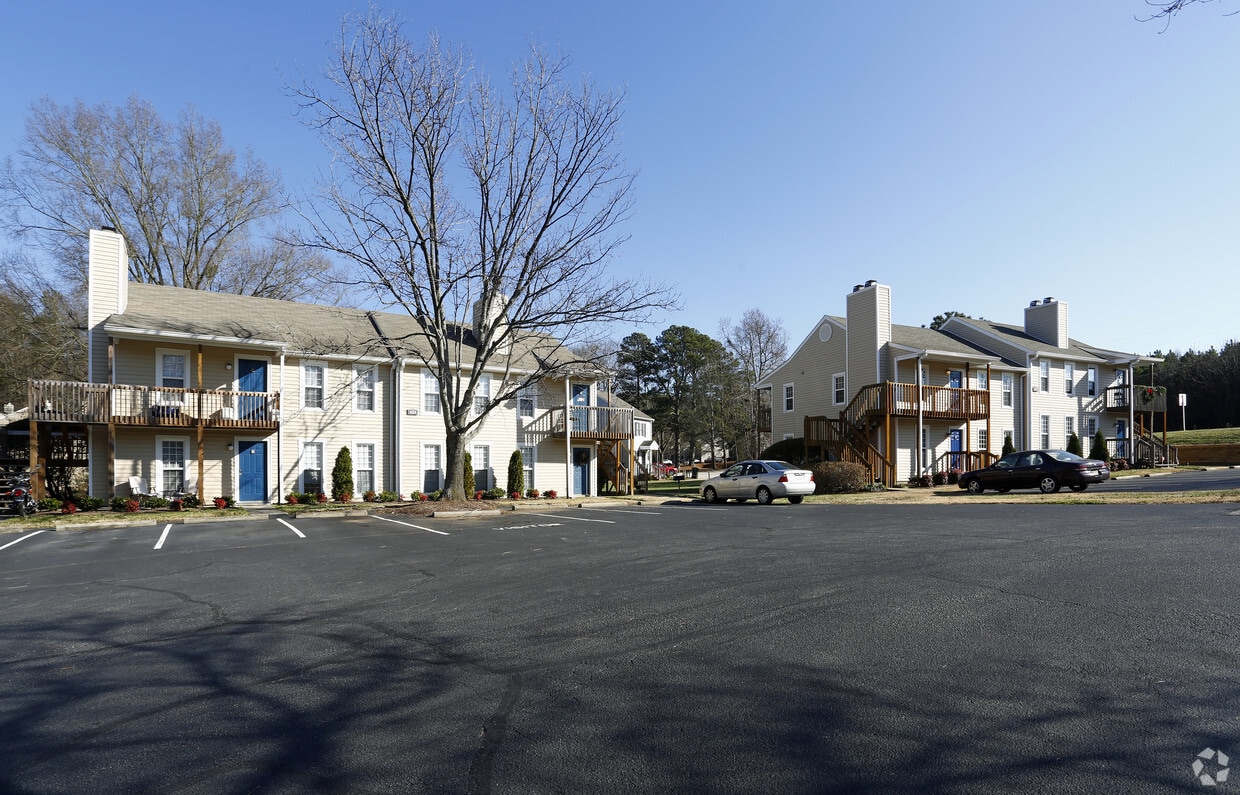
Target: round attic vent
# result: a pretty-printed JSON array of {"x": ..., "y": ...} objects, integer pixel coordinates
[{"x": 824, "y": 332}]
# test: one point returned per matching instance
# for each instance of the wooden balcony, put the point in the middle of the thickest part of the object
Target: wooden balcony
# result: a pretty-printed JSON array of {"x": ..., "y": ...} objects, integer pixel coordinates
[
  {"x": 594, "y": 423},
  {"x": 126, "y": 404},
  {"x": 930, "y": 402},
  {"x": 1120, "y": 398}
]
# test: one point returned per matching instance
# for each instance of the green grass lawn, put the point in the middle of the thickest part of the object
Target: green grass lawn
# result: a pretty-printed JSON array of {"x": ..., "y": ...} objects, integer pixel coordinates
[{"x": 1208, "y": 436}]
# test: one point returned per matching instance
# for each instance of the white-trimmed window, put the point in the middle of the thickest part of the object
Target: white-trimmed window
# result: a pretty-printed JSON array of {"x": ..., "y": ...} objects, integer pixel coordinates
[
  {"x": 527, "y": 465},
  {"x": 983, "y": 440},
  {"x": 1069, "y": 428},
  {"x": 1044, "y": 375},
  {"x": 837, "y": 389},
  {"x": 1069, "y": 377},
  {"x": 1091, "y": 425},
  {"x": 171, "y": 368},
  {"x": 363, "y": 467},
  {"x": 983, "y": 380},
  {"x": 310, "y": 479},
  {"x": 482, "y": 467},
  {"x": 170, "y": 460},
  {"x": 1091, "y": 381},
  {"x": 430, "y": 396},
  {"x": 432, "y": 468},
  {"x": 1046, "y": 431},
  {"x": 641, "y": 429},
  {"x": 527, "y": 403},
  {"x": 313, "y": 385},
  {"x": 788, "y": 397},
  {"x": 1007, "y": 389},
  {"x": 364, "y": 379},
  {"x": 482, "y": 394}
]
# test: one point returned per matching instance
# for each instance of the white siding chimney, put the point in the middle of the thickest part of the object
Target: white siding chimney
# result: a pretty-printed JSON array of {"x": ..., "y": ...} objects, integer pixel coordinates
[
  {"x": 869, "y": 331},
  {"x": 107, "y": 295},
  {"x": 496, "y": 315},
  {"x": 1047, "y": 320}
]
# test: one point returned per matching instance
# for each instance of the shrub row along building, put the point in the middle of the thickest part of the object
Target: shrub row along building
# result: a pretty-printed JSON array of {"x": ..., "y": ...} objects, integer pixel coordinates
[{"x": 905, "y": 401}]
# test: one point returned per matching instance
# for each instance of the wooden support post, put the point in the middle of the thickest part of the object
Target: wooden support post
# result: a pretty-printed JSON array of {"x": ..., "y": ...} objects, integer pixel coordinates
[
  {"x": 35, "y": 454},
  {"x": 111, "y": 459},
  {"x": 889, "y": 476}
]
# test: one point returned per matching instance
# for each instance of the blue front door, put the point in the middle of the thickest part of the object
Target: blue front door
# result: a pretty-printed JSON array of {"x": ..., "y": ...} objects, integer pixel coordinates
[
  {"x": 252, "y": 377},
  {"x": 955, "y": 448},
  {"x": 252, "y": 471},
  {"x": 581, "y": 471}
]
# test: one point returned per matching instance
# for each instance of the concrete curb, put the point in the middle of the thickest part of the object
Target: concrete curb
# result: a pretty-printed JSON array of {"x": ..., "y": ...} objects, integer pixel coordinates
[
  {"x": 104, "y": 525},
  {"x": 210, "y": 519},
  {"x": 467, "y": 514}
]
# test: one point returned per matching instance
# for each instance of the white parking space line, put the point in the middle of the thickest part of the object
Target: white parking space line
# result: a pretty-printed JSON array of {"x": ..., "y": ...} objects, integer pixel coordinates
[
  {"x": 164, "y": 536},
  {"x": 23, "y": 538},
  {"x": 290, "y": 527},
  {"x": 617, "y": 510},
  {"x": 414, "y": 526},
  {"x": 574, "y": 518},
  {"x": 696, "y": 508}
]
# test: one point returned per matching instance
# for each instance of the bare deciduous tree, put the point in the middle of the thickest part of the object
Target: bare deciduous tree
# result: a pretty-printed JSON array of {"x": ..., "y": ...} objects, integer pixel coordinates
[
  {"x": 457, "y": 201},
  {"x": 188, "y": 206},
  {"x": 1160, "y": 9},
  {"x": 760, "y": 344}
]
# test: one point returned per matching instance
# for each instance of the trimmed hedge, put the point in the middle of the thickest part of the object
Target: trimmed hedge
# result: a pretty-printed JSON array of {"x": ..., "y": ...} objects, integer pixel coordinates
[{"x": 839, "y": 477}]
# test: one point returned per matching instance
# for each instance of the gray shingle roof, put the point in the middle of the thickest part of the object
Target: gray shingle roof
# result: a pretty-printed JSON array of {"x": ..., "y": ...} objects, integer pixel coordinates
[
  {"x": 1016, "y": 335},
  {"x": 155, "y": 310}
]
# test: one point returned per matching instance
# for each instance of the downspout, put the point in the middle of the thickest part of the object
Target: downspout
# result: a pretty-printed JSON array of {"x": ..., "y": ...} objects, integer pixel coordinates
[
  {"x": 1132, "y": 403},
  {"x": 1025, "y": 410},
  {"x": 398, "y": 370},
  {"x": 921, "y": 421},
  {"x": 280, "y": 437},
  {"x": 1029, "y": 402},
  {"x": 568, "y": 442}
]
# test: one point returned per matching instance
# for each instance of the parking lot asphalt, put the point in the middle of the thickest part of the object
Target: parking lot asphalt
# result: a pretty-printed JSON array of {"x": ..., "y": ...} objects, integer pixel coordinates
[{"x": 811, "y": 648}]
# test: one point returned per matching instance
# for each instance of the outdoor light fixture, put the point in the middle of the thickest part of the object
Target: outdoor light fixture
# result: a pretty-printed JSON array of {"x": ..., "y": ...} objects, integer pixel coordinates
[
  {"x": 230, "y": 446},
  {"x": 228, "y": 366}
]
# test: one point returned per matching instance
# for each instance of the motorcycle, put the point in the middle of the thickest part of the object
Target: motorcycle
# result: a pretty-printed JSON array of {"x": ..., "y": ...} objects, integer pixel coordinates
[{"x": 23, "y": 503}]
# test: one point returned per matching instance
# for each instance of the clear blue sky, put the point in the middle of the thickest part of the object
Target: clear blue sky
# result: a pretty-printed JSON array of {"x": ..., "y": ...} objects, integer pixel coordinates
[{"x": 972, "y": 155}]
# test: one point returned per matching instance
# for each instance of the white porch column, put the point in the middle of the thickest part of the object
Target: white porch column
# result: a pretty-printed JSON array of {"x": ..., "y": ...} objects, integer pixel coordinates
[{"x": 568, "y": 441}]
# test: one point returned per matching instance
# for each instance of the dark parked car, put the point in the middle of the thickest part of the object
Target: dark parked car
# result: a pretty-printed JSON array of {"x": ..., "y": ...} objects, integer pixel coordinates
[{"x": 1037, "y": 469}]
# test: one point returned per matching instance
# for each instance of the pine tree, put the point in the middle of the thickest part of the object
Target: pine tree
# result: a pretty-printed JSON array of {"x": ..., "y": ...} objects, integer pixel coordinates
[
  {"x": 467, "y": 476},
  {"x": 1074, "y": 444},
  {"x": 342, "y": 476},
  {"x": 1008, "y": 447},
  {"x": 516, "y": 473},
  {"x": 1098, "y": 449}
]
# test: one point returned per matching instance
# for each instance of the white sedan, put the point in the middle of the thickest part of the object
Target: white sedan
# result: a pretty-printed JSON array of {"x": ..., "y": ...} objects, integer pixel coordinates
[{"x": 760, "y": 480}]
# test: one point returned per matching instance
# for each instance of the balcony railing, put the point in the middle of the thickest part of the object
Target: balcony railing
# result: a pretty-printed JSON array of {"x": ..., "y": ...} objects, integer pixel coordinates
[
  {"x": 599, "y": 423},
  {"x": 931, "y": 402},
  {"x": 1119, "y": 398},
  {"x": 127, "y": 404}
]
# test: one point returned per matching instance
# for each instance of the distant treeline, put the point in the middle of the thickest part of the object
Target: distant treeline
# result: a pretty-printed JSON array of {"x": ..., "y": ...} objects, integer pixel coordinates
[{"x": 1210, "y": 379}]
